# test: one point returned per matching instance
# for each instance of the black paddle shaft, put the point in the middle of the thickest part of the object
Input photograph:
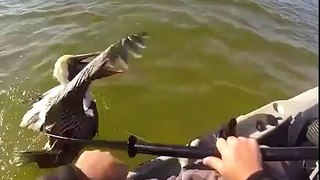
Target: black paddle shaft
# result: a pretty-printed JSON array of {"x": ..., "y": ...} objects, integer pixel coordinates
[
  {"x": 268, "y": 153},
  {"x": 133, "y": 148}
]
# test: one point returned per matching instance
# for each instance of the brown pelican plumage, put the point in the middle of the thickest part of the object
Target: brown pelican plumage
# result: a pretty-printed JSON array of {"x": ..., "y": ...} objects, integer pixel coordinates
[
  {"x": 67, "y": 110},
  {"x": 65, "y": 69}
]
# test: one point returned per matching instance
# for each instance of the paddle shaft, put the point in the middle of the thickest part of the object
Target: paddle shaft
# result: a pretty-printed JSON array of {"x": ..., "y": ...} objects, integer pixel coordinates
[
  {"x": 268, "y": 153},
  {"x": 133, "y": 148}
]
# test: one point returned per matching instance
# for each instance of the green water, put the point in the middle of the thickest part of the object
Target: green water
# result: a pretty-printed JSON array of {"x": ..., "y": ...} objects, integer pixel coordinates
[{"x": 206, "y": 61}]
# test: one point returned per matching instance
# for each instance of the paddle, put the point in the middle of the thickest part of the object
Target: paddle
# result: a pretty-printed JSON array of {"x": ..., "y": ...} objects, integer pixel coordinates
[{"x": 133, "y": 147}]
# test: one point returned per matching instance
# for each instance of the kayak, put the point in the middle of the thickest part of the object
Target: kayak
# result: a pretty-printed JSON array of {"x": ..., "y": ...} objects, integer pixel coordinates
[{"x": 282, "y": 123}]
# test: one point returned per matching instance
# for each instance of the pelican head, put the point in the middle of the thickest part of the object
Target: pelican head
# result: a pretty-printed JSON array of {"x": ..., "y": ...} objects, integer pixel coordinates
[{"x": 68, "y": 66}]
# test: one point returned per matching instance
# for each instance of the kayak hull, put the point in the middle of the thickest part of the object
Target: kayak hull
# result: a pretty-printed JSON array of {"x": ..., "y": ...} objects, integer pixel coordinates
[{"x": 280, "y": 123}]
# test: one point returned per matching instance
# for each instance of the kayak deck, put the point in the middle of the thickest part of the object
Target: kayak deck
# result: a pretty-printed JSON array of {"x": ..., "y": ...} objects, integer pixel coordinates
[{"x": 278, "y": 123}]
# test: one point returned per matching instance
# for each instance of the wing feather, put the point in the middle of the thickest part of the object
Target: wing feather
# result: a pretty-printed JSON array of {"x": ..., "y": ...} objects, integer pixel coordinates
[{"x": 35, "y": 117}]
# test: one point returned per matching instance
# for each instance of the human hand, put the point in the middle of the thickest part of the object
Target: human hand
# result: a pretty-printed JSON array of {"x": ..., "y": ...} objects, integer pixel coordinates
[
  {"x": 100, "y": 165},
  {"x": 240, "y": 157}
]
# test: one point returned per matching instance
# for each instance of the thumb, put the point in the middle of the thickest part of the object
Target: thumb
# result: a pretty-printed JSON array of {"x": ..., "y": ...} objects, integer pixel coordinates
[{"x": 214, "y": 162}]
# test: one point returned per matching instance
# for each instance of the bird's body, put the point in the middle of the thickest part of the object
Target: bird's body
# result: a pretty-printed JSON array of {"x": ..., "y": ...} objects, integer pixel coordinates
[
  {"x": 75, "y": 124},
  {"x": 67, "y": 110}
]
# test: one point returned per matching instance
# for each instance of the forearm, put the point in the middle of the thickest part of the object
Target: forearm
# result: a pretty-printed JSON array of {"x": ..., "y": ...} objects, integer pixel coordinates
[{"x": 67, "y": 172}]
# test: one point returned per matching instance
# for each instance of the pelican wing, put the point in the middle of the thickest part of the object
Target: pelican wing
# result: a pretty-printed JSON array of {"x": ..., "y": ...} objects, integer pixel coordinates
[{"x": 35, "y": 117}]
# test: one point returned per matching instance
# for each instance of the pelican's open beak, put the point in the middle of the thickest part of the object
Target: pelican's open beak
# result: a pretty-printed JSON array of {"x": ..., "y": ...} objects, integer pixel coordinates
[
  {"x": 81, "y": 60},
  {"x": 107, "y": 70},
  {"x": 116, "y": 67},
  {"x": 130, "y": 45}
]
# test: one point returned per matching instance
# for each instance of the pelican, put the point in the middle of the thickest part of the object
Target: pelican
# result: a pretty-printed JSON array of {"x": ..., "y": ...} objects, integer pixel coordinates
[
  {"x": 65, "y": 69},
  {"x": 67, "y": 110}
]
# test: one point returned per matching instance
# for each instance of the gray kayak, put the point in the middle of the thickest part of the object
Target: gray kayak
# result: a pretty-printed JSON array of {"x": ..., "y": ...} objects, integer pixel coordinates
[{"x": 281, "y": 123}]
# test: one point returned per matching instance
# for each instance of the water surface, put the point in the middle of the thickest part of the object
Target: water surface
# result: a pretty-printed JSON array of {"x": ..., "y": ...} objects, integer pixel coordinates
[{"x": 206, "y": 62}]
